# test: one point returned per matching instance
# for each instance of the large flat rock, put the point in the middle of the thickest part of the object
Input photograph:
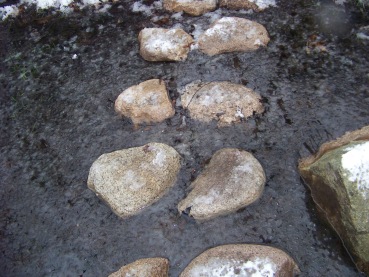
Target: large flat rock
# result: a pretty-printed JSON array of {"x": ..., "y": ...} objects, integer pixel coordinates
[
  {"x": 233, "y": 34},
  {"x": 232, "y": 180},
  {"x": 338, "y": 177},
  {"x": 222, "y": 101},
  {"x": 147, "y": 102},
  {"x": 242, "y": 260},
  {"x": 256, "y": 5},
  {"x": 131, "y": 179}
]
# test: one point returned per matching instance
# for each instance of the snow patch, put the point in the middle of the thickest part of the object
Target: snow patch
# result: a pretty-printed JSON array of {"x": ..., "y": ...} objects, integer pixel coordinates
[
  {"x": 356, "y": 162},
  {"x": 132, "y": 179},
  {"x": 263, "y": 4},
  {"x": 147, "y": 10},
  {"x": 207, "y": 199},
  {"x": 216, "y": 267},
  {"x": 7, "y": 11},
  {"x": 160, "y": 158},
  {"x": 362, "y": 36}
]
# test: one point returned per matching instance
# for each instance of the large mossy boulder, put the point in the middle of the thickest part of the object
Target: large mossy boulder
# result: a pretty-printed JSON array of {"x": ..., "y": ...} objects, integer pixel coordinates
[{"x": 338, "y": 177}]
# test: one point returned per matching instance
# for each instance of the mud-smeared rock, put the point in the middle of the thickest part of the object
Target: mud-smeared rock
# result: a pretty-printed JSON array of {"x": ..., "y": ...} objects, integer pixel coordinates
[
  {"x": 338, "y": 177},
  {"x": 232, "y": 180},
  {"x": 242, "y": 260},
  {"x": 131, "y": 179},
  {"x": 192, "y": 7},
  {"x": 233, "y": 34},
  {"x": 158, "y": 44},
  {"x": 157, "y": 267},
  {"x": 222, "y": 101},
  {"x": 145, "y": 103},
  {"x": 256, "y": 5}
]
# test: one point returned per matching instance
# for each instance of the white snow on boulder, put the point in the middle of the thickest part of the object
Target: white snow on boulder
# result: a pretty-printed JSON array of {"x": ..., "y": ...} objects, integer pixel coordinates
[{"x": 356, "y": 162}]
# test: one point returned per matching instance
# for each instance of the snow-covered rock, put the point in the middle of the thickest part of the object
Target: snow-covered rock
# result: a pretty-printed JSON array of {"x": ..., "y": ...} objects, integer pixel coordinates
[
  {"x": 131, "y": 179},
  {"x": 222, "y": 101},
  {"x": 147, "y": 102},
  {"x": 232, "y": 180},
  {"x": 158, "y": 44},
  {"x": 192, "y": 7},
  {"x": 242, "y": 260},
  {"x": 338, "y": 178},
  {"x": 157, "y": 267},
  {"x": 231, "y": 34},
  {"x": 256, "y": 5}
]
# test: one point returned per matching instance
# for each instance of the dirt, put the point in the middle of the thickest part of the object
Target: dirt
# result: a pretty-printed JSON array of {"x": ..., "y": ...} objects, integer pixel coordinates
[{"x": 57, "y": 117}]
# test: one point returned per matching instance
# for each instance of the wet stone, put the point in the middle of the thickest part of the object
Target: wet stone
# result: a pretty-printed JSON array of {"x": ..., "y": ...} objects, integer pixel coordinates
[
  {"x": 157, "y": 267},
  {"x": 256, "y": 5},
  {"x": 232, "y": 180},
  {"x": 192, "y": 7},
  {"x": 233, "y": 34},
  {"x": 242, "y": 260},
  {"x": 158, "y": 44},
  {"x": 131, "y": 179},
  {"x": 222, "y": 101},
  {"x": 145, "y": 103},
  {"x": 338, "y": 177}
]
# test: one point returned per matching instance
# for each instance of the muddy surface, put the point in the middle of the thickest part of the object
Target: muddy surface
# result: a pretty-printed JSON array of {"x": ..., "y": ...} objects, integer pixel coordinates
[{"x": 57, "y": 116}]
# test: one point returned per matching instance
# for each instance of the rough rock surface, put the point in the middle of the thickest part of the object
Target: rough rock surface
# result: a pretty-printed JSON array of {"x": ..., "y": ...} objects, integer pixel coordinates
[
  {"x": 156, "y": 267},
  {"x": 256, "y": 5},
  {"x": 222, "y": 101},
  {"x": 242, "y": 260},
  {"x": 338, "y": 177},
  {"x": 192, "y": 7},
  {"x": 233, "y": 179},
  {"x": 131, "y": 179},
  {"x": 231, "y": 34},
  {"x": 158, "y": 44},
  {"x": 145, "y": 103}
]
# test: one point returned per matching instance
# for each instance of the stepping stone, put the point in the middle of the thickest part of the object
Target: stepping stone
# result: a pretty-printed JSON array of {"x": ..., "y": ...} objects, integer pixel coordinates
[
  {"x": 242, "y": 260},
  {"x": 256, "y": 5},
  {"x": 192, "y": 7},
  {"x": 160, "y": 45},
  {"x": 222, "y": 101},
  {"x": 156, "y": 267},
  {"x": 147, "y": 102},
  {"x": 131, "y": 179},
  {"x": 233, "y": 34},
  {"x": 232, "y": 180}
]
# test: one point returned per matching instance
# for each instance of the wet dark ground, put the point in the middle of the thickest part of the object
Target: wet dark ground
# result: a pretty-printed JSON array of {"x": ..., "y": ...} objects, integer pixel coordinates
[{"x": 57, "y": 117}]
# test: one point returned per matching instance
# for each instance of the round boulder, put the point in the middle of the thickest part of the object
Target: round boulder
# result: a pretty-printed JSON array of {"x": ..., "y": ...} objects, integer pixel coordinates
[
  {"x": 242, "y": 260},
  {"x": 157, "y": 267},
  {"x": 192, "y": 7},
  {"x": 232, "y": 34},
  {"x": 222, "y": 101},
  {"x": 131, "y": 179},
  {"x": 158, "y": 44},
  {"x": 145, "y": 103},
  {"x": 232, "y": 180}
]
